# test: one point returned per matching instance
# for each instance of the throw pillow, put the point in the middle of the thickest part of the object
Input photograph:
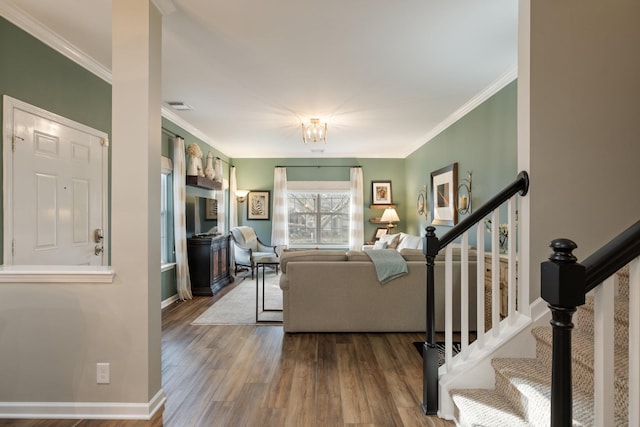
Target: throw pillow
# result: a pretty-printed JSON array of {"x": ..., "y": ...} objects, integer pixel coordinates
[
  {"x": 410, "y": 242},
  {"x": 391, "y": 239},
  {"x": 380, "y": 245}
]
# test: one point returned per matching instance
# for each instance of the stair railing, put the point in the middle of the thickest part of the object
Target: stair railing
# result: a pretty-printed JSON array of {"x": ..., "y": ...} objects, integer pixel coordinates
[
  {"x": 565, "y": 282},
  {"x": 432, "y": 247}
]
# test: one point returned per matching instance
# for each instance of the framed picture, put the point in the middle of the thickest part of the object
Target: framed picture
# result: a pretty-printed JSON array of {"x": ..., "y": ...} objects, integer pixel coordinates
[
  {"x": 381, "y": 193},
  {"x": 444, "y": 189},
  {"x": 258, "y": 205},
  {"x": 211, "y": 209},
  {"x": 380, "y": 231}
]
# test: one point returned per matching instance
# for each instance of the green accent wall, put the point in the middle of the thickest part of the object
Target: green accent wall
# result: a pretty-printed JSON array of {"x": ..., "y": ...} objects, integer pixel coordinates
[
  {"x": 484, "y": 142},
  {"x": 257, "y": 174}
]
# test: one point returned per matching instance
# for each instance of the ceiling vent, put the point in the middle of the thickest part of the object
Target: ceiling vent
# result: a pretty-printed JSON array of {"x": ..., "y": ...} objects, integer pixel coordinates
[{"x": 180, "y": 106}]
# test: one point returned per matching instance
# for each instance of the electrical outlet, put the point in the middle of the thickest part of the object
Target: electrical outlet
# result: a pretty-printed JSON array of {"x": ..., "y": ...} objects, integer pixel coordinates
[{"x": 102, "y": 373}]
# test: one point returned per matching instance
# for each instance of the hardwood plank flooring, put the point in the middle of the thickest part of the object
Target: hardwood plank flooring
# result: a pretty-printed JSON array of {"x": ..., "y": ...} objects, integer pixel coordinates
[{"x": 260, "y": 376}]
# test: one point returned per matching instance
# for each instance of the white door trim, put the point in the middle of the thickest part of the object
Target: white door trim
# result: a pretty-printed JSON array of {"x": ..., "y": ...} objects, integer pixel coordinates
[{"x": 9, "y": 104}]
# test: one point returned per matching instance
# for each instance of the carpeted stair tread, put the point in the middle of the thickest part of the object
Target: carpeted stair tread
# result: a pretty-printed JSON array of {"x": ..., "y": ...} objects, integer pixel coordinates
[
  {"x": 526, "y": 384},
  {"x": 484, "y": 408},
  {"x": 584, "y": 319},
  {"x": 523, "y": 386},
  {"x": 581, "y": 350}
]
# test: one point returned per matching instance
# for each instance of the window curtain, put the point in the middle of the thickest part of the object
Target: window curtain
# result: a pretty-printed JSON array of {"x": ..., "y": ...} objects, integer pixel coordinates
[
  {"x": 356, "y": 210},
  {"x": 183, "y": 280},
  {"x": 233, "y": 203},
  {"x": 280, "y": 222}
]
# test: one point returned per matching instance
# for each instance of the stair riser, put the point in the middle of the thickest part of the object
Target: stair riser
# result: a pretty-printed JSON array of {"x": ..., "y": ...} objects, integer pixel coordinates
[
  {"x": 584, "y": 321},
  {"x": 581, "y": 375}
]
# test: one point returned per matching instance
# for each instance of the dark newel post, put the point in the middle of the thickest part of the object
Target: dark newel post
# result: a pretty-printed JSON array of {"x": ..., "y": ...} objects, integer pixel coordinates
[
  {"x": 429, "y": 350},
  {"x": 563, "y": 285}
]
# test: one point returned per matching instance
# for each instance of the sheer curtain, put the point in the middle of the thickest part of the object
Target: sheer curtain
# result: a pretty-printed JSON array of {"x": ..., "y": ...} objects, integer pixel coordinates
[
  {"x": 183, "y": 280},
  {"x": 356, "y": 211},
  {"x": 280, "y": 223},
  {"x": 233, "y": 203}
]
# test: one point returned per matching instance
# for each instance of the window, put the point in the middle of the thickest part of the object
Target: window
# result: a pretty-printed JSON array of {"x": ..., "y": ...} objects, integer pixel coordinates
[
  {"x": 165, "y": 201},
  {"x": 320, "y": 216}
]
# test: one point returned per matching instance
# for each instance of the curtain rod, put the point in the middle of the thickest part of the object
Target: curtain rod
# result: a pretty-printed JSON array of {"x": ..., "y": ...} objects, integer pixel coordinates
[
  {"x": 170, "y": 132},
  {"x": 320, "y": 166},
  {"x": 175, "y": 135}
]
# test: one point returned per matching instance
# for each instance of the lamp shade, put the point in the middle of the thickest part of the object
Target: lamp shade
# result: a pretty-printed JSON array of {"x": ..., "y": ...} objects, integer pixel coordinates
[{"x": 390, "y": 215}]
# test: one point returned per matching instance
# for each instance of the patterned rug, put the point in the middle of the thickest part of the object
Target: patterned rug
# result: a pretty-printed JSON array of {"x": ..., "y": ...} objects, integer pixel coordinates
[{"x": 238, "y": 307}]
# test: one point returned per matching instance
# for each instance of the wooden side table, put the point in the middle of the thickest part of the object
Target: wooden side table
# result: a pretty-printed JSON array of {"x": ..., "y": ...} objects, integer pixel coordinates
[{"x": 504, "y": 286}]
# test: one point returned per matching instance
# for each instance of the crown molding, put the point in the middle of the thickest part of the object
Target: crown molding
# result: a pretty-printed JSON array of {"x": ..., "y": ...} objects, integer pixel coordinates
[
  {"x": 43, "y": 33},
  {"x": 168, "y": 114},
  {"x": 485, "y": 94}
]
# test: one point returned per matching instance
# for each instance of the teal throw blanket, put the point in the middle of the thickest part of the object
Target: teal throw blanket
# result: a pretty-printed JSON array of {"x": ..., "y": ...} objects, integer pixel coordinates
[{"x": 389, "y": 264}]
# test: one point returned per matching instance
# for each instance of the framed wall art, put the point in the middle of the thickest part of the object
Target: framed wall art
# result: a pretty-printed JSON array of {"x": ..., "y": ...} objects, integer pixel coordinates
[
  {"x": 380, "y": 231},
  {"x": 381, "y": 193},
  {"x": 211, "y": 209},
  {"x": 444, "y": 189},
  {"x": 258, "y": 205}
]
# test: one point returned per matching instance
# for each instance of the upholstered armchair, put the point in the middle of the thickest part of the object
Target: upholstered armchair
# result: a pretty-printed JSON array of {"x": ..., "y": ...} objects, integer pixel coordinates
[{"x": 248, "y": 249}]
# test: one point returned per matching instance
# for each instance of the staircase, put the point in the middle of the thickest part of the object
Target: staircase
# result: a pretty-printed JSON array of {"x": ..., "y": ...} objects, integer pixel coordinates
[{"x": 523, "y": 385}]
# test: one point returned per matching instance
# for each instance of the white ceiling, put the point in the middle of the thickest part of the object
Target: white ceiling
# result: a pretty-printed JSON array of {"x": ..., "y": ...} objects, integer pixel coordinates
[{"x": 385, "y": 75}]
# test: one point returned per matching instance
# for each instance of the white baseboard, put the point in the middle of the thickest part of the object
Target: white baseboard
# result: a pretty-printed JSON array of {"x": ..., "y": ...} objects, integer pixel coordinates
[
  {"x": 83, "y": 410},
  {"x": 169, "y": 301}
]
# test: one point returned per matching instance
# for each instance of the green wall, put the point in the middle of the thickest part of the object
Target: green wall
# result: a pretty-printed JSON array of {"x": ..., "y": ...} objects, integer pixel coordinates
[
  {"x": 257, "y": 174},
  {"x": 484, "y": 142}
]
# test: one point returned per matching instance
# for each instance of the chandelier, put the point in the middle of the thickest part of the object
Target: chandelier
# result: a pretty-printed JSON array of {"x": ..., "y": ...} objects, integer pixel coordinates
[{"x": 314, "y": 131}]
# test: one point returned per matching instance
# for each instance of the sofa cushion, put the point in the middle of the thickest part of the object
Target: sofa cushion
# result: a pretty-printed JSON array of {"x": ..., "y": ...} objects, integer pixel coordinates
[
  {"x": 412, "y": 254},
  {"x": 311, "y": 255},
  {"x": 410, "y": 242},
  {"x": 358, "y": 256},
  {"x": 456, "y": 248}
]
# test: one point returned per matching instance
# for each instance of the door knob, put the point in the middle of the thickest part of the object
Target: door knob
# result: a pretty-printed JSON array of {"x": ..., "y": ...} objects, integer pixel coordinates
[{"x": 98, "y": 250}]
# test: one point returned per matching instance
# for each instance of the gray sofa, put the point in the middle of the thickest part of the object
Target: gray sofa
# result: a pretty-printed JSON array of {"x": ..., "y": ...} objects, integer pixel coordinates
[{"x": 335, "y": 291}]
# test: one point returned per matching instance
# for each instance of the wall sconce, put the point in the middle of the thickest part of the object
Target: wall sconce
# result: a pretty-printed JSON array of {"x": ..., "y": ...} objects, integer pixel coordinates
[
  {"x": 241, "y": 195},
  {"x": 464, "y": 195},
  {"x": 390, "y": 216},
  {"x": 421, "y": 204}
]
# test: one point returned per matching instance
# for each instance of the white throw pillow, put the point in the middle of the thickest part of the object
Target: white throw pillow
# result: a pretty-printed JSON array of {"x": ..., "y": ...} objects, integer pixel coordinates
[
  {"x": 380, "y": 245},
  {"x": 410, "y": 242}
]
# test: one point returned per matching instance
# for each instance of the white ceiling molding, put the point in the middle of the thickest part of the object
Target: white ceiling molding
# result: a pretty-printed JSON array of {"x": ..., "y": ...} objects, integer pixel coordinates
[
  {"x": 41, "y": 32},
  {"x": 485, "y": 94},
  {"x": 179, "y": 121},
  {"x": 166, "y": 7}
]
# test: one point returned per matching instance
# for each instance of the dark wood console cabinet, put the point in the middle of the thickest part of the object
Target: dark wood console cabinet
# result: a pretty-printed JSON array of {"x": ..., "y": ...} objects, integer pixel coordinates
[{"x": 208, "y": 264}]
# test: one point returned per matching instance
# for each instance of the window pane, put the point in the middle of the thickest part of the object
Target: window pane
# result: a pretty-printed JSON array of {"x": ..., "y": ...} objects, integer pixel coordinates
[{"x": 319, "y": 218}]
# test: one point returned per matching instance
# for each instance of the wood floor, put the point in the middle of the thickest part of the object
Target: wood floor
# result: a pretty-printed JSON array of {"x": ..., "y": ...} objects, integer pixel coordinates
[{"x": 259, "y": 376}]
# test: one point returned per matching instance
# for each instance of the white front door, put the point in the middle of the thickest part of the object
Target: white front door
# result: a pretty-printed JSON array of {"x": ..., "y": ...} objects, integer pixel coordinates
[{"x": 55, "y": 196}]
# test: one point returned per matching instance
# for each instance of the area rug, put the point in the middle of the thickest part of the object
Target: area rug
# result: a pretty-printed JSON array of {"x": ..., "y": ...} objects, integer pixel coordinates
[
  {"x": 455, "y": 349},
  {"x": 238, "y": 307}
]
